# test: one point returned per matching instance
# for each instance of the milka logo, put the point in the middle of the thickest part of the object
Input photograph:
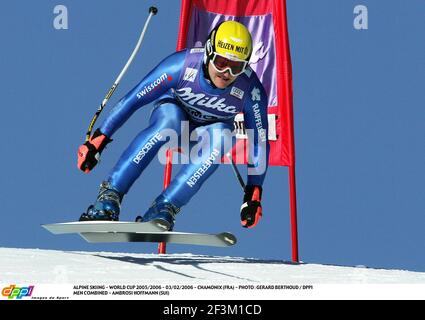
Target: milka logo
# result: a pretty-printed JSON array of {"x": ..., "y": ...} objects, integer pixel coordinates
[
  {"x": 147, "y": 89},
  {"x": 13, "y": 291},
  {"x": 199, "y": 99}
]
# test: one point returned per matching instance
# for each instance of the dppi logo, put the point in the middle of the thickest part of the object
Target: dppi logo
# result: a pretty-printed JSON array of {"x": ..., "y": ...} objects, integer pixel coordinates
[{"x": 13, "y": 291}]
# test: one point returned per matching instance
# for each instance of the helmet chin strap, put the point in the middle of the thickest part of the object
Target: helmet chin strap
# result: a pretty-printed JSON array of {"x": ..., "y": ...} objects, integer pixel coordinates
[
  {"x": 206, "y": 62},
  {"x": 206, "y": 72}
]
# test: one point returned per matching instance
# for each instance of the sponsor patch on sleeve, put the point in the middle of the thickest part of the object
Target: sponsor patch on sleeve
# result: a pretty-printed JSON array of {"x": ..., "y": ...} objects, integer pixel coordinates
[
  {"x": 197, "y": 50},
  {"x": 236, "y": 92},
  {"x": 190, "y": 74},
  {"x": 255, "y": 94}
]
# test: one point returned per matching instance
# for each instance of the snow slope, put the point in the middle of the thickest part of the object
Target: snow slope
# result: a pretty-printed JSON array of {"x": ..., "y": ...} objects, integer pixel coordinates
[{"x": 59, "y": 267}]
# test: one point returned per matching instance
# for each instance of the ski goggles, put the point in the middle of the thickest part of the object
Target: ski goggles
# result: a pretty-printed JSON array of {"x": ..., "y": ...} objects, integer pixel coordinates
[{"x": 221, "y": 64}]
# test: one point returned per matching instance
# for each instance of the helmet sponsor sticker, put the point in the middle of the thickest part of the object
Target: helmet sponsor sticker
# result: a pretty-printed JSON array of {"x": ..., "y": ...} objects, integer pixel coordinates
[
  {"x": 238, "y": 40},
  {"x": 232, "y": 47}
]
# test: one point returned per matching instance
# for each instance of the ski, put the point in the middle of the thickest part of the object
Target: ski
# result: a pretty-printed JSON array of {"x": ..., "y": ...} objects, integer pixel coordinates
[
  {"x": 156, "y": 225},
  {"x": 224, "y": 239},
  {"x": 125, "y": 231}
]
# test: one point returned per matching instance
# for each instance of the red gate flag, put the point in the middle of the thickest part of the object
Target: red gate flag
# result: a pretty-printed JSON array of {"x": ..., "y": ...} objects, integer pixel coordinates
[
  {"x": 271, "y": 60},
  {"x": 266, "y": 20}
]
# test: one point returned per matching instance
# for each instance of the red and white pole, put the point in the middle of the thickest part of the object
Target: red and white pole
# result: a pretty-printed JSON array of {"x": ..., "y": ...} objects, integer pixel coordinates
[
  {"x": 294, "y": 220},
  {"x": 162, "y": 247}
]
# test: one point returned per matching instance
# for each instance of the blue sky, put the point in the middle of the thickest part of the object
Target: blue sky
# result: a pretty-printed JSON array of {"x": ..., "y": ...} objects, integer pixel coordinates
[{"x": 359, "y": 125}]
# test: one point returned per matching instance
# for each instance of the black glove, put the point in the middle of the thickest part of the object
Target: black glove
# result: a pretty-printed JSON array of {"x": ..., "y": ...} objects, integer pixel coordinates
[
  {"x": 251, "y": 211},
  {"x": 89, "y": 152}
]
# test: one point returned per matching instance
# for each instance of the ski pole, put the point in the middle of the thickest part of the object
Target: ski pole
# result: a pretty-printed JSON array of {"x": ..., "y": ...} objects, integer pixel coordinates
[
  {"x": 236, "y": 171},
  {"x": 152, "y": 11}
]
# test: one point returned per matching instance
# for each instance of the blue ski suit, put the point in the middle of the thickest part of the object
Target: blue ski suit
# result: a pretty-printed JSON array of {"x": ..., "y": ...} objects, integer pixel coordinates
[{"x": 185, "y": 101}]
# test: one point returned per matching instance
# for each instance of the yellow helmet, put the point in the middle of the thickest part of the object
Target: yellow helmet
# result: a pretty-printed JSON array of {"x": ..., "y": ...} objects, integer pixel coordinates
[{"x": 231, "y": 40}]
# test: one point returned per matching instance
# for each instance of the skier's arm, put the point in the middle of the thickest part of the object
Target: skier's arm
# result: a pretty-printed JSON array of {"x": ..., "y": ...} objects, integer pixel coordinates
[
  {"x": 162, "y": 78},
  {"x": 256, "y": 125}
]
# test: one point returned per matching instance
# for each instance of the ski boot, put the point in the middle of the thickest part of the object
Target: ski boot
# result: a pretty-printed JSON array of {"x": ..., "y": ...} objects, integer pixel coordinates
[
  {"x": 162, "y": 210},
  {"x": 106, "y": 207}
]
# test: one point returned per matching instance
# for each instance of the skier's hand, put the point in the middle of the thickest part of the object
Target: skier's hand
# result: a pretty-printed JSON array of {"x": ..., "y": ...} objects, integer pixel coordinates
[
  {"x": 251, "y": 211},
  {"x": 89, "y": 152}
]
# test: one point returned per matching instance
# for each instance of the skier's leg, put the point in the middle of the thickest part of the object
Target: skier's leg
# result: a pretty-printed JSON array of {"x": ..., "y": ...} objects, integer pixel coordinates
[
  {"x": 218, "y": 140},
  {"x": 146, "y": 145},
  {"x": 193, "y": 175},
  {"x": 134, "y": 160}
]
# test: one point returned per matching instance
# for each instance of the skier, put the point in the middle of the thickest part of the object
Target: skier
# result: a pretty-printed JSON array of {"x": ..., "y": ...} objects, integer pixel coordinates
[{"x": 204, "y": 88}]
